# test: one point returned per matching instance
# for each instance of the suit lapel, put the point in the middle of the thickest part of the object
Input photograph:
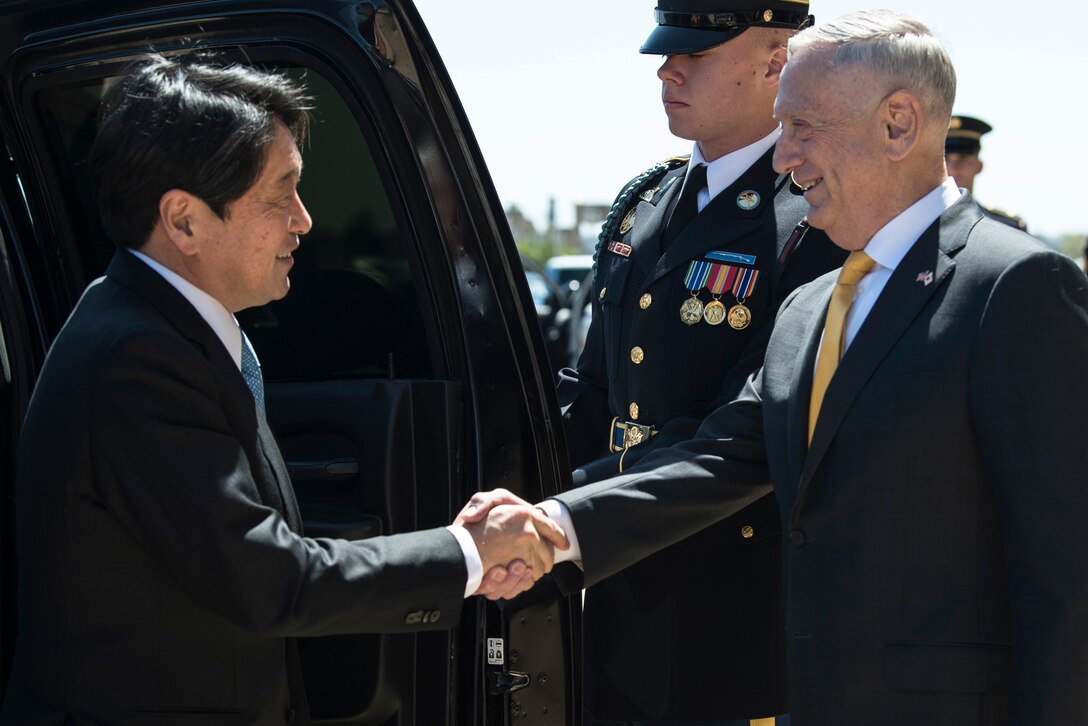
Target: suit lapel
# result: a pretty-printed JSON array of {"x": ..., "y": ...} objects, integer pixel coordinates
[
  {"x": 288, "y": 505},
  {"x": 131, "y": 272},
  {"x": 801, "y": 383},
  {"x": 126, "y": 269},
  {"x": 723, "y": 221},
  {"x": 650, "y": 219},
  {"x": 904, "y": 296}
]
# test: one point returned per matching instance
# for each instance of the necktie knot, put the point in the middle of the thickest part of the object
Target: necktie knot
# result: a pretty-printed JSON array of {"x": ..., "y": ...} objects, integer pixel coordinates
[
  {"x": 687, "y": 204},
  {"x": 857, "y": 266},
  {"x": 696, "y": 180}
]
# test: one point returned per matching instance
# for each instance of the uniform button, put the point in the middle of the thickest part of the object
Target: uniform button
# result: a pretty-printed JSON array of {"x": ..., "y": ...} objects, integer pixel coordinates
[
  {"x": 604, "y": 291},
  {"x": 633, "y": 410},
  {"x": 747, "y": 532},
  {"x": 645, "y": 300},
  {"x": 797, "y": 537},
  {"x": 637, "y": 355}
]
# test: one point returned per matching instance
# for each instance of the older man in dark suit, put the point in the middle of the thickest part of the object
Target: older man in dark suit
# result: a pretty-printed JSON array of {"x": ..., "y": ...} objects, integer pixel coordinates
[
  {"x": 691, "y": 266},
  {"x": 163, "y": 572},
  {"x": 920, "y": 416}
]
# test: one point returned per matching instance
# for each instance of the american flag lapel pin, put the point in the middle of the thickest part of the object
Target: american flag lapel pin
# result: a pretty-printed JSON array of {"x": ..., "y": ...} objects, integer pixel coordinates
[{"x": 925, "y": 277}]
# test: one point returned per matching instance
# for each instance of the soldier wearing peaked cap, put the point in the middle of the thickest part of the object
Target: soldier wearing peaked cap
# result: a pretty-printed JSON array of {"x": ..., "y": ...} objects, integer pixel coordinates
[
  {"x": 691, "y": 265},
  {"x": 961, "y": 154}
]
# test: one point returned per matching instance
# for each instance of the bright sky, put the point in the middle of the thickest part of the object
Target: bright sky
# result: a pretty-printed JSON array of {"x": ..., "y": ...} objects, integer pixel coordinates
[{"x": 564, "y": 106}]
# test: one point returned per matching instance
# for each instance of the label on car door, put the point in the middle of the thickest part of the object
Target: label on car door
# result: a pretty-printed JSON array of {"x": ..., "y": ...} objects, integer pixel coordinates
[{"x": 495, "y": 654}]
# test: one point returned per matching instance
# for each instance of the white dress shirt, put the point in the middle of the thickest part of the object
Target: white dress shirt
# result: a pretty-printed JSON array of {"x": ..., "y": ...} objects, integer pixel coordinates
[
  {"x": 225, "y": 326},
  {"x": 723, "y": 171},
  {"x": 889, "y": 246}
]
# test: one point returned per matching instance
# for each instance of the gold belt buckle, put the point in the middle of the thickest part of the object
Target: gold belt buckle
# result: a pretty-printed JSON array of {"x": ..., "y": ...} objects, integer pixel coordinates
[{"x": 634, "y": 435}]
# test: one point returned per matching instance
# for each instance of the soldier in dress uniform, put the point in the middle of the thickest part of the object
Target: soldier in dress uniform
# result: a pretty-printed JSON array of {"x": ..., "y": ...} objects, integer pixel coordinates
[
  {"x": 961, "y": 155},
  {"x": 692, "y": 262}
]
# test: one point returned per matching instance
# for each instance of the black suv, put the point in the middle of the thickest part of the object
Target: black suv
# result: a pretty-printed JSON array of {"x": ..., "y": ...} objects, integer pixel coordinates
[{"x": 404, "y": 371}]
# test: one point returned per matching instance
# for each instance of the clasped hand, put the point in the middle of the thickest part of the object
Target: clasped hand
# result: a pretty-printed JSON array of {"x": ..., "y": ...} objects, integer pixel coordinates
[{"x": 516, "y": 541}]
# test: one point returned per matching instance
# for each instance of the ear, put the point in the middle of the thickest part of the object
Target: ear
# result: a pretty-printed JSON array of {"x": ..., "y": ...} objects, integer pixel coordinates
[
  {"x": 179, "y": 213},
  {"x": 980, "y": 165},
  {"x": 775, "y": 63},
  {"x": 902, "y": 124}
]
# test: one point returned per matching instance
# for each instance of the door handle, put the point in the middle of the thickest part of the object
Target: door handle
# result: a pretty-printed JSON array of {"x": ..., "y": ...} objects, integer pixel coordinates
[{"x": 324, "y": 470}]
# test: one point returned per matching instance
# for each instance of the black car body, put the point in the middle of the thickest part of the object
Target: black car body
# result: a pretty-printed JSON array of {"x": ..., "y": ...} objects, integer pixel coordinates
[{"x": 404, "y": 371}]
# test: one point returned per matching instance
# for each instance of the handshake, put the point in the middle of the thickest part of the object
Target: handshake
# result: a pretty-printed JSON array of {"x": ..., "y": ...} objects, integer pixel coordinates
[{"x": 516, "y": 542}]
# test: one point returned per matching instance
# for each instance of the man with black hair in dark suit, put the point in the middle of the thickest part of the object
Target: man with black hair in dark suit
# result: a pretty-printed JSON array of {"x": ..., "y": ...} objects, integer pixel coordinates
[{"x": 163, "y": 574}]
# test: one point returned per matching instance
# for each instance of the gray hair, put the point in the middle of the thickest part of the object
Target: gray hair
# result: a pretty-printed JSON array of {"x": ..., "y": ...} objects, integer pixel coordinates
[{"x": 894, "y": 45}]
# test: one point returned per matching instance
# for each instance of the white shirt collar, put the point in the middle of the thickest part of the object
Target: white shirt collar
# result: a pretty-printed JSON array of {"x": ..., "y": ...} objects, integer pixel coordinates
[
  {"x": 723, "y": 171},
  {"x": 891, "y": 243},
  {"x": 218, "y": 318}
]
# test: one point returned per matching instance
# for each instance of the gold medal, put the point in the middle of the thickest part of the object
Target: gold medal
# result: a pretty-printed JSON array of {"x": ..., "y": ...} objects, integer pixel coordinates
[
  {"x": 739, "y": 316},
  {"x": 714, "y": 312},
  {"x": 691, "y": 311}
]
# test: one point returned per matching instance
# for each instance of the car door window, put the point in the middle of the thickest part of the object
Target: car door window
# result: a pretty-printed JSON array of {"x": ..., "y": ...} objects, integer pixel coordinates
[{"x": 354, "y": 309}]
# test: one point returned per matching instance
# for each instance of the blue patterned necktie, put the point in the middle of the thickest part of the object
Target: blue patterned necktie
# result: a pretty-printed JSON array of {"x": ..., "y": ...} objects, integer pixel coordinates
[{"x": 251, "y": 372}]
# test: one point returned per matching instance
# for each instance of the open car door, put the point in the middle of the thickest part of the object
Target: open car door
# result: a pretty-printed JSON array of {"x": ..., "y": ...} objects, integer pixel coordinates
[{"x": 404, "y": 371}]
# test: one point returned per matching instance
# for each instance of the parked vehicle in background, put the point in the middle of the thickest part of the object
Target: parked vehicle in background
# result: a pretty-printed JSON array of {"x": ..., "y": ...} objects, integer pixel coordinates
[
  {"x": 553, "y": 311},
  {"x": 403, "y": 372},
  {"x": 581, "y": 315},
  {"x": 569, "y": 271}
]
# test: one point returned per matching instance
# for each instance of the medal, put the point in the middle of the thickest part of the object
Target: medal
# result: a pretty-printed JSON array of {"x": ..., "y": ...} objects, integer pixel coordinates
[
  {"x": 720, "y": 276},
  {"x": 714, "y": 312},
  {"x": 691, "y": 311},
  {"x": 745, "y": 282},
  {"x": 628, "y": 222},
  {"x": 739, "y": 316}
]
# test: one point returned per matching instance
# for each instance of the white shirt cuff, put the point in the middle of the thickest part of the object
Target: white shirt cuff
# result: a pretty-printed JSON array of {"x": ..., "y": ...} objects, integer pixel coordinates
[
  {"x": 558, "y": 513},
  {"x": 473, "y": 563}
]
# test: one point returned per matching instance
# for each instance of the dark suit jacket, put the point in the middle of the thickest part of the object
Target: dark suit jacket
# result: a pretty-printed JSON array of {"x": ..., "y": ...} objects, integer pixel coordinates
[
  {"x": 162, "y": 570},
  {"x": 642, "y": 657},
  {"x": 933, "y": 574}
]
